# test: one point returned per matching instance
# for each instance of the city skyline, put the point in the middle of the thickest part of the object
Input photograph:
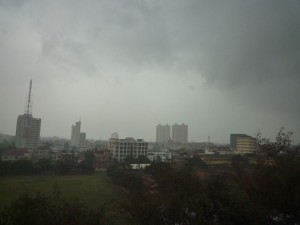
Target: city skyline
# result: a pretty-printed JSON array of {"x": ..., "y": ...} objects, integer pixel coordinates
[{"x": 126, "y": 66}]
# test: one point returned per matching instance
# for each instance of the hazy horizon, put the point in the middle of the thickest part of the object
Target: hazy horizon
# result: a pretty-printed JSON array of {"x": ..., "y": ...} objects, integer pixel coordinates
[{"x": 126, "y": 66}]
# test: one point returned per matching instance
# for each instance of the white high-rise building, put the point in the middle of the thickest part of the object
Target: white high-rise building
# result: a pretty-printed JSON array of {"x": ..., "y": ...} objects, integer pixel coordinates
[
  {"x": 28, "y": 128},
  {"x": 75, "y": 135},
  {"x": 77, "y": 138},
  {"x": 180, "y": 133},
  {"x": 163, "y": 133}
]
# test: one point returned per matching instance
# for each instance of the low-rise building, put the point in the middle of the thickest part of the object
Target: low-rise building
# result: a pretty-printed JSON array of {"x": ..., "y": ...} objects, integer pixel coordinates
[
  {"x": 102, "y": 160},
  {"x": 245, "y": 145},
  {"x": 159, "y": 156},
  {"x": 15, "y": 154}
]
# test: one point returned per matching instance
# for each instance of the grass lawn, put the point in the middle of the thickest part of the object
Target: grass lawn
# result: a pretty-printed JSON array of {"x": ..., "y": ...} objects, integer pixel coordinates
[{"x": 93, "y": 190}]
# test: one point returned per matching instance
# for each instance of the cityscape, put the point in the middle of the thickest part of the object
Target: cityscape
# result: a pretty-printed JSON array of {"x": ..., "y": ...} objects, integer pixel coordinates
[
  {"x": 148, "y": 112},
  {"x": 28, "y": 144}
]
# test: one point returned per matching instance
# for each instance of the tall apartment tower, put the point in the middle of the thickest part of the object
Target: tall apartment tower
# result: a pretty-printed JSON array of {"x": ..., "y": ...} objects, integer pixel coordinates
[
  {"x": 180, "y": 133},
  {"x": 75, "y": 134},
  {"x": 163, "y": 133},
  {"x": 28, "y": 128}
]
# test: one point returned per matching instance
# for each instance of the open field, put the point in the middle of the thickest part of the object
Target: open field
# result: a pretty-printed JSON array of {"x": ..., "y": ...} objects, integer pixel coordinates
[{"x": 93, "y": 190}]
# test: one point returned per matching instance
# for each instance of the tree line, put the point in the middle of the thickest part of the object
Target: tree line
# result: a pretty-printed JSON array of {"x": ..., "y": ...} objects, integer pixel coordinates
[
  {"x": 48, "y": 166},
  {"x": 266, "y": 192}
]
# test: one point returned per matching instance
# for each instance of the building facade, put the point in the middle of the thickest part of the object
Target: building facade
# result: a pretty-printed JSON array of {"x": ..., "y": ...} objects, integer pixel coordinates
[
  {"x": 77, "y": 138},
  {"x": 82, "y": 140},
  {"x": 15, "y": 154},
  {"x": 128, "y": 147},
  {"x": 233, "y": 138},
  {"x": 102, "y": 160},
  {"x": 163, "y": 133},
  {"x": 180, "y": 133},
  {"x": 75, "y": 134},
  {"x": 28, "y": 128},
  {"x": 245, "y": 145},
  {"x": 28, "y": 132}
]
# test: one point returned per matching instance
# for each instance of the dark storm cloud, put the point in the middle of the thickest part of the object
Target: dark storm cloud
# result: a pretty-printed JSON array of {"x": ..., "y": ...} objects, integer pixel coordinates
[
  {"x": 239, "y": 42},
  {"x": 239, "y": 54},
  {"x": 259, "y": 41}
]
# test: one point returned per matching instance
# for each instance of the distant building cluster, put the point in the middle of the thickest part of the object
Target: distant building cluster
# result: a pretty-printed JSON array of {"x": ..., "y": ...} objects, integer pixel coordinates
[
  {"x": 179, "y": 133},
  {"x": 171, "y": 140}
]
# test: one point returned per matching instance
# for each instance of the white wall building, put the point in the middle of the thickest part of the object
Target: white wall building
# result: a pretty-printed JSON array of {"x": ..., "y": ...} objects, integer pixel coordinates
[
  {"x": 163, "y": 133},
  {"x": 180, "y": 133},
  {"x": 128, "y": 147},
  {"x": 159, "y": 156}
]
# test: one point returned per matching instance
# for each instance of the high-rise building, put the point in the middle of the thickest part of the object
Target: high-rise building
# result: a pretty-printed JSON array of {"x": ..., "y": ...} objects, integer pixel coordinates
[
  {"x": 163, "y": 133},
  {"x": 77, "y": 138},
  {"x": 28, "y": 128},
  {"x": 128, "y": 147},
  {"x": 82, "y": 138},
  {"x": 75, "y": 135},
  {"x": 180, "y": 133}
]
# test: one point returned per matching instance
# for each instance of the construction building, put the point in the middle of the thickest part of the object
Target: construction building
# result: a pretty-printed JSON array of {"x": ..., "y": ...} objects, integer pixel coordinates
[{"x": 28, "y": 128}]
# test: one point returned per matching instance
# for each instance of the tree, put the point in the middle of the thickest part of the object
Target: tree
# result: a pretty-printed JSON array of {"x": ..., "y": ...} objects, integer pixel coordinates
[
  {"x": 64, "y": 166},
  {"x": 275, "y": 183},
  {"x": 281, "y": 145},
  {"x": 41, "y": 209},
  {"x": 89, "y": 158},
  {"x": 195, "y": 163},
  {"x": 44, "y": 165}
]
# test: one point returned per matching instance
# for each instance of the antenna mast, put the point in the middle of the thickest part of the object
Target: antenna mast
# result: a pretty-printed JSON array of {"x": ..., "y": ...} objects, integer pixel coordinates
[{"x": 28, "y": 103}]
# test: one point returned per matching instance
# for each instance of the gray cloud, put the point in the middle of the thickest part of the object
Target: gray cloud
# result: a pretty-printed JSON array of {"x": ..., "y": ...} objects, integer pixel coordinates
[{"x": 177, "y": 59}]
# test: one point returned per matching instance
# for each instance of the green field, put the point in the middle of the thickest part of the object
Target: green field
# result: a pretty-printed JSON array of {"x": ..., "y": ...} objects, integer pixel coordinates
[{"x": 92, "y": 190}]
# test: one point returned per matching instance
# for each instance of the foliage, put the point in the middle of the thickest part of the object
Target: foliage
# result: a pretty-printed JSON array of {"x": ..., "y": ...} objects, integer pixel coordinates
[
  {"x": 122, "y": 175},
  {"x": 64, "y": 166},
  {"x": 281, "y": 145},
  {"x": 89, "y": 157},
  {"x": 263, "y": 193},
  {"x": 267, "y": 192},
  {"x": 41, "y": 209},
  {"x": 195, "y": 163}
]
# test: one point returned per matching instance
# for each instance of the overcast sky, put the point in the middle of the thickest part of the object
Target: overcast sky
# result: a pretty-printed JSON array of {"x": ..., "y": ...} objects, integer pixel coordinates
[{"x": 127, "y": 65}]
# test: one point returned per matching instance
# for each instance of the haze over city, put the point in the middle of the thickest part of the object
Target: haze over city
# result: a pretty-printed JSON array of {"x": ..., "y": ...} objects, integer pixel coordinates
[{"x": 126, "y": 66}]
